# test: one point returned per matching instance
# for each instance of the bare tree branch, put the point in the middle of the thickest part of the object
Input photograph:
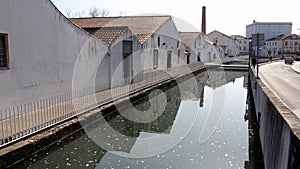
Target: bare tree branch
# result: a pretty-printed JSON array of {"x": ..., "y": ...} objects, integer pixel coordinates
[
  {"x": 69, "y": 13},
  {"x": 94, "y": 12},
  {"x": 122, "y": 13},
  {"x": 104, "y": 12}
]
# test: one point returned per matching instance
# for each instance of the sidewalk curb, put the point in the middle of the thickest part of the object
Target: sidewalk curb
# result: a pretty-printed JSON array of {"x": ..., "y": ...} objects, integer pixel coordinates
[{"x": 296, "y": 67}]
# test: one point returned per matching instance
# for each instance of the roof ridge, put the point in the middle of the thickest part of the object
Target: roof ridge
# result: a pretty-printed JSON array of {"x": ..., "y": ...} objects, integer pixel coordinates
[
  {"x": 129, "y": 16},
  {"x": 95, "y": 17}
]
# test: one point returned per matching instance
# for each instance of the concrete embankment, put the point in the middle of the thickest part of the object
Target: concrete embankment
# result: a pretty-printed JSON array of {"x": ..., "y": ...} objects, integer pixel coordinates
[{"x": 279, "y": 128}]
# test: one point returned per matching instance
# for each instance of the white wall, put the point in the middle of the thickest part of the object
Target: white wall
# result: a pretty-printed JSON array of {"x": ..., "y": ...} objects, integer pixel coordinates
[
  {"x": 116, "y": 65},
  {"x": 269, "y": 29},
  {"x": 169, "y": 35},
  {"x": 274, "y": 45},
  {"x": 43, "y": 48},
  {"x": 226, "y": 45},
  {"x": 201, "y": 45},
  {"x": 243, "y": 45}
]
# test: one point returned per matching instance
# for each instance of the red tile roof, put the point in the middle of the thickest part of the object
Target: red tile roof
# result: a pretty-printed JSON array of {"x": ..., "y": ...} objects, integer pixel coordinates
[
  {"x": 109, "y": 35},
  {"x": 188, "y": 38},
  {"x": 141, "y": 26},
  {"x": 96, "y": 22}
]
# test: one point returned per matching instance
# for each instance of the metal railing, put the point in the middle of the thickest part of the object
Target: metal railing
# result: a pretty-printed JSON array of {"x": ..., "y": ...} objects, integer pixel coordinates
[{"x": 17, "y": 122}]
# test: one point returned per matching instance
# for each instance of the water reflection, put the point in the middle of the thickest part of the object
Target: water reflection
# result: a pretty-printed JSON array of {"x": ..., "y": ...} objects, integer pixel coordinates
[
  {"x": 126, "y": 138},
  {"x": 172, "y": 138}
]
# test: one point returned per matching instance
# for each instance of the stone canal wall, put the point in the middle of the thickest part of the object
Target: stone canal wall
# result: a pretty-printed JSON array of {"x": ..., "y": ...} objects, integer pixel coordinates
[{"x": 279, "y": 128}]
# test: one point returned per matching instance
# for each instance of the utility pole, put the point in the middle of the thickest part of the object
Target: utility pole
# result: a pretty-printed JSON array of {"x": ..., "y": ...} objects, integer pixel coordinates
[
  {"x": 257, "y": 40},
  {"x": 257, "y": 47}
]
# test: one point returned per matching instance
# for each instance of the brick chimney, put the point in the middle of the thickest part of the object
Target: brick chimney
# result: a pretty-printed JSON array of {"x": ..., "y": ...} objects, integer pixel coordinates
[{"x": 203, "y": 29}]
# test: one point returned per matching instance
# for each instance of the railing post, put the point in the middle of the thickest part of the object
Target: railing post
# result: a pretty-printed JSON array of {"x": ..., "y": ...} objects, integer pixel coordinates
[{"x": 14, "y": 116}]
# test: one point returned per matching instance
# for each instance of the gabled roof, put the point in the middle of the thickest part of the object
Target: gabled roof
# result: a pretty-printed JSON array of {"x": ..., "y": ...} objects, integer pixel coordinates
[
  {"x": 110, "y": 34},
  {"x": 291, "y": 36},
  {"x": 188, "y": 38},
  {"x": 96, "y": 22},
  {"x": 279, "y": 37},
  {"x": 142, "y": 26},
  {"x": 283, "y": 37},
  {"x": 238, "y": 37},
  {"x": 215, "y": 31}
]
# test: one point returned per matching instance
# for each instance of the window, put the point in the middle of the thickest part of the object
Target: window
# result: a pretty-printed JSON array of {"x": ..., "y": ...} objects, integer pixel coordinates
[
  {"x": 155, "y": 58},
  {"x": 158, "y": 41},
  {"x": 285, "y": 43},
  {"x": 4, "y": 61},
  {"x": 178, "y": 44},
  {"x": 169, "y": 59},
  {"x": 199, "y": 57},
  {"x": 178, "y": 55},
  {"x": 127, "y": 58},
  {"x": 127, "y": 48},
  {"x": 188, "y": 58}
]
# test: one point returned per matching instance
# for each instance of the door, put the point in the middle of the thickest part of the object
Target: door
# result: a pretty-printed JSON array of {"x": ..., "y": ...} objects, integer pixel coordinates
[
  {"x": 169, "y": 59},
  {"x": 127, "y": 61}
]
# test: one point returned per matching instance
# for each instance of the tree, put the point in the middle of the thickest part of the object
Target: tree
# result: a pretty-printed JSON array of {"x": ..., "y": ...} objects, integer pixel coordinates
[
  {"x": 104, "y": 12},
  {"x": 122, "y": 13},
  {"x": 69, "y": 13},
  {"x": 94, "y": 12}
]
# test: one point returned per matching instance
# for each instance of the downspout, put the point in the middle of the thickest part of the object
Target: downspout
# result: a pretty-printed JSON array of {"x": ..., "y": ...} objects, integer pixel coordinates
[{"x": 109, "y": 67}]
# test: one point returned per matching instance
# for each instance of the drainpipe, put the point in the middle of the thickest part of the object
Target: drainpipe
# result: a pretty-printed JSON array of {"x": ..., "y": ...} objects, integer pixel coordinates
[
  {"x": 257, "y": 53},
  {"x": 109, "y": 67}
]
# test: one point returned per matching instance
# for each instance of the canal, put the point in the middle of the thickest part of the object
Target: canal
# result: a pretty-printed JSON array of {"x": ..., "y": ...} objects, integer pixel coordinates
[{"x": 180, "y": 125}]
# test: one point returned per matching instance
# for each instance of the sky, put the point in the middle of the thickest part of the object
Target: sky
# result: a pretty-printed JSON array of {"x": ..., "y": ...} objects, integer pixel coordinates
[{"x": 229, "y": 17}]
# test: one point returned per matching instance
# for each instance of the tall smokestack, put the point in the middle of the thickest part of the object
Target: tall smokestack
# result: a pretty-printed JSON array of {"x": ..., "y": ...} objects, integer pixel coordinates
[{"x": 203, "y": 20}]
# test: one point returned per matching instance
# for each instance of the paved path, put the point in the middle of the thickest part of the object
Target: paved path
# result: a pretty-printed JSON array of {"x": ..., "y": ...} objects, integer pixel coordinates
[{"x": 284, "y": 81}]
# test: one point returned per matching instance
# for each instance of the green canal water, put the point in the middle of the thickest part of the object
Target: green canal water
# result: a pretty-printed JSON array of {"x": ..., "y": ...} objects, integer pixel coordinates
[{"x": 201, "y": 125}]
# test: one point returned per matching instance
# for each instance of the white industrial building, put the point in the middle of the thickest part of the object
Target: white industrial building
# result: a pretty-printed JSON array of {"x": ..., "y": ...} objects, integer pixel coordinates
[
  {"x": 225, "y": 45},
  {"x": 122, "y": 60},
  {"x": 159, "y": 41},
  {"x": 269, "y": 29},
  {"x": 39, "y": 48},
  {"x": 198, "y": 47},
  {"x": 243, "y": 44}
]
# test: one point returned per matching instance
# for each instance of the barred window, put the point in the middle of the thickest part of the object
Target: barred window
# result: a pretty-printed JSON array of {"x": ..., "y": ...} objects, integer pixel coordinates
[{"x": 4, "y": 51}]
